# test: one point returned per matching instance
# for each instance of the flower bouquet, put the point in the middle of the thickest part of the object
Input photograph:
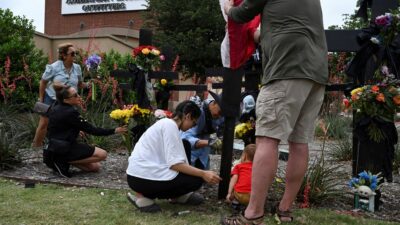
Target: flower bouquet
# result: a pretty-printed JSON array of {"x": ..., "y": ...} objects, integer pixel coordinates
[
  {"x": 378, "y": 102},
  {"x": 163, "y": 87},
  {"x": 365, "y": 187},
  {"x": 123, "y": 117},
  {"x": 160, "y": 114},
  {"x": 147, "y": 57},
  {"x": 92, "y": 64},
  {"x": 246, "y": 132},
  {"x": 365, "y": 179},
  {"x": 163, "y": 84}
]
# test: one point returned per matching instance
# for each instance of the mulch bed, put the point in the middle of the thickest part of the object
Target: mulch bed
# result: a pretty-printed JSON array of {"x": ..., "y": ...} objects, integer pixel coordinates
[{"x": 112, "y": 176}]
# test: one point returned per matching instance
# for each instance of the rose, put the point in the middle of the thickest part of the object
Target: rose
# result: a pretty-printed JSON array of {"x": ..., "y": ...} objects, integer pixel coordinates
[
  {"x": 163, "y": 82},
  {"x": 380, "y": 97},
  {"x": 383, "y": 20},
  {"x": 396, "y": 99},
  {"x": 155, "y": 52},
  {"x": 145, "y": 51}
]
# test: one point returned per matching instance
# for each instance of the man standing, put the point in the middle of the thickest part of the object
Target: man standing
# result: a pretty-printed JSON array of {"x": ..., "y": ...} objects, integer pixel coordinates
[
  {"x": 198, "y": 137},
  {"x": 293, "y": 85}
]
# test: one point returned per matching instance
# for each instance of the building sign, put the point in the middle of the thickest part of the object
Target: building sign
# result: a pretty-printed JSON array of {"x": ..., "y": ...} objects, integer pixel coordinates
[{"x": 100, "y": 6}]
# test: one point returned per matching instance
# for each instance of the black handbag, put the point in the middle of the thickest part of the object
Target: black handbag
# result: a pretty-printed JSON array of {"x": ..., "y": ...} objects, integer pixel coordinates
[
  {"x": 41, "y": 108},
  {"x": 58, "y": 146}
]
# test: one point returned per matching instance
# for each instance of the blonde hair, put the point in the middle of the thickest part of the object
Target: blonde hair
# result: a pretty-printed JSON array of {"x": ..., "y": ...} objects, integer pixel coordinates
[
  {"x": 63, "y": 50},
  {"x": 248, "y": 152}
]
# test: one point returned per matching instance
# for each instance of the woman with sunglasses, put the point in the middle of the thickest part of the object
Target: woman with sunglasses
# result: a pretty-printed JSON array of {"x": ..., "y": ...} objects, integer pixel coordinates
[
  {"x": 65, "y": 71},
  {"x": 65, "y": 124},
  {"x": 159, "y": 164}
]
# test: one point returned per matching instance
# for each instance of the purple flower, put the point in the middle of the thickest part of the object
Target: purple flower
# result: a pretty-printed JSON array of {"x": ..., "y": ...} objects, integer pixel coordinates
[{"x": 93, "y": 61}]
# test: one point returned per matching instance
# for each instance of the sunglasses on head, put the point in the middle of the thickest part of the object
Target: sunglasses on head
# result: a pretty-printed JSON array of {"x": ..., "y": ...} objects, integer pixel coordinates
[{"x": 75, "y": 95}]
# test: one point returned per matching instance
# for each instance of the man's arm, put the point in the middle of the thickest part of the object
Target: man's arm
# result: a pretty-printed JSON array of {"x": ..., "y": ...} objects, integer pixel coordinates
[{"x": 246, "y": 11}]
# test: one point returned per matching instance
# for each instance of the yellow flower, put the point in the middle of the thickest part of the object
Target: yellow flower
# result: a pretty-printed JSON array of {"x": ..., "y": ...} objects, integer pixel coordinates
[
  {"x": 163, "y": 82},
  {"x": 356, "y": 91},
  {"x": 145, "y": 51},
  {"x": 155, "y": 52}
]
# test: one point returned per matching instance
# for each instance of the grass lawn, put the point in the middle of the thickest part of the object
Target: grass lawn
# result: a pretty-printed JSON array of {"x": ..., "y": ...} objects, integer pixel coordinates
[{"x": 53, "y": 204}]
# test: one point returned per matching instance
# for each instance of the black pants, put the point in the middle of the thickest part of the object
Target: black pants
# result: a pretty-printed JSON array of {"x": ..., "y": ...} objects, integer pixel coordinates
[{"x": 180, "y": 185}]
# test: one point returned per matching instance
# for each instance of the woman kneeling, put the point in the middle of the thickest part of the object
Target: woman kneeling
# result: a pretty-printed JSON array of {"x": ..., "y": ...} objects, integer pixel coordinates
[
  {"x": 65, "y": 125},
  {"x": 159, "y": 164}
]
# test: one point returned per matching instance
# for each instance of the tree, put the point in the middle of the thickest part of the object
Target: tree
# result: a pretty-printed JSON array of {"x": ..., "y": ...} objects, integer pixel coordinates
[
  {"x": 194, "y": 29},
  {"x": 21, "y": 64}
]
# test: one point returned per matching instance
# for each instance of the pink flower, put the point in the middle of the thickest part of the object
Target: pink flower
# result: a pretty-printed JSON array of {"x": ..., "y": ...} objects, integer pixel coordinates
[
  {"x": 383, "y": 20},
  {"x": 162, "y": 57}
]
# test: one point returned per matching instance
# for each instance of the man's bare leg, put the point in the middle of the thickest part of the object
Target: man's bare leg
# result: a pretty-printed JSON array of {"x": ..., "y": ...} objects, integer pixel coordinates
[
  {"x": 265, "y": 164},
  {"x": 295, "y": 171}
]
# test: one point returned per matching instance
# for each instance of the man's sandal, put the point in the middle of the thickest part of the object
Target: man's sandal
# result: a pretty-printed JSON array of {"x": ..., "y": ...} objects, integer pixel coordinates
[
  {"x": 282, "y": 216},
  {"x": 239, "y": 219}
]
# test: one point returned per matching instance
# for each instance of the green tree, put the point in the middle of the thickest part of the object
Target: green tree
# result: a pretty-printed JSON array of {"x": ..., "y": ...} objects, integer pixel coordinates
[
  {"x": 194, "y": 29},
  {"x": 21, "y": 64}
]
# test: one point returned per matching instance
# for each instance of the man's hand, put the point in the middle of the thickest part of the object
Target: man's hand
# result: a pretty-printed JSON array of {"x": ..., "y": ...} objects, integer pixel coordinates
[{"x": 227, "y": 6}]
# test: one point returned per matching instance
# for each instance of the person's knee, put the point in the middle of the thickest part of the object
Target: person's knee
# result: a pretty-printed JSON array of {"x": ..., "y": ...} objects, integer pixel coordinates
[{"x": 100, "y": 154}]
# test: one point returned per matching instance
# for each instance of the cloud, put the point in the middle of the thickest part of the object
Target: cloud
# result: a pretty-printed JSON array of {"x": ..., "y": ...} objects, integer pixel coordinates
[{"x": 31, "y": 9}]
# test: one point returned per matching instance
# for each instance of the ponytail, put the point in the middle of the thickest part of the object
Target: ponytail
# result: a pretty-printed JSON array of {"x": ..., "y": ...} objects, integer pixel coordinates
[
  {"x": 187, "y": 107},
  {"x": 61, "y": 91}
]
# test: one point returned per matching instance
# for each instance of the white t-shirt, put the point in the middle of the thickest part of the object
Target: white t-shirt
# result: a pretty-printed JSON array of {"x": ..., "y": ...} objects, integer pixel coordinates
[{"x": 159, "y": 148}]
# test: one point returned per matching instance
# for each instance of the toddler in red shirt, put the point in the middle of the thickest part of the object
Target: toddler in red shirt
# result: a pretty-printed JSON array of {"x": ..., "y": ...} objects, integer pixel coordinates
[{"x": 240, "y": 184}]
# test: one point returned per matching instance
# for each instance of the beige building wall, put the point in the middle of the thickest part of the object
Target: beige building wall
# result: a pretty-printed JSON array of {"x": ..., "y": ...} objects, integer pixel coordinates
[{"x": 95, "y": 41}]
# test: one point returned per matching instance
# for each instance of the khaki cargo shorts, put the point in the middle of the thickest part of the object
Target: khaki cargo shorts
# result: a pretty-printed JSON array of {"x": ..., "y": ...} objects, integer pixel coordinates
[{"x": 288, "y": 109}]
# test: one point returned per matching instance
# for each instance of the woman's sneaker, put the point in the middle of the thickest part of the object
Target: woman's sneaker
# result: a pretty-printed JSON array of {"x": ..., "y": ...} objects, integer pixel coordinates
[{"x": 62, "y": 169}]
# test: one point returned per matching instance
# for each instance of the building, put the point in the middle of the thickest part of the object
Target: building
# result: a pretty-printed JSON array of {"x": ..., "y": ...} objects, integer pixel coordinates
[{"x": 93, "y": 25}]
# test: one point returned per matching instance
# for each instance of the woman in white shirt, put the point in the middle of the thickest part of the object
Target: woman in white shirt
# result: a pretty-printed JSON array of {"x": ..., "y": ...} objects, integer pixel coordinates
[{"x": 159, "y": 166}]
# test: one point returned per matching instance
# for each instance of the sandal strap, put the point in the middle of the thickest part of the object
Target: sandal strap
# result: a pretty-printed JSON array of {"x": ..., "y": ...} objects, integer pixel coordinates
[
  {"x": 241, "y": 220},
  {"x": 253, "y": 221},
  {"x": 286, "y": 214}
]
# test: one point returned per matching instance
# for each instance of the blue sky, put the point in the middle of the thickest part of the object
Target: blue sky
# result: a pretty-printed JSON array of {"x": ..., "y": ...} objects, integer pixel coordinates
[{"x": 34, "y": 10}]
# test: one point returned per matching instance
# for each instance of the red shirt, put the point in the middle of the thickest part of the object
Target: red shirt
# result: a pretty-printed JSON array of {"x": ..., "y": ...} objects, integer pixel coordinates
[{"x": 243, "y": 170}]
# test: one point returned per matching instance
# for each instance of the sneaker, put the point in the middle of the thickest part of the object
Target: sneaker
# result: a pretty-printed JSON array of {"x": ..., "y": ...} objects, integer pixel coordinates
[
  {"x": 193, "y": 199},
  {"x": 62, "y": 169},
  {"x": 153, "y": 208}
]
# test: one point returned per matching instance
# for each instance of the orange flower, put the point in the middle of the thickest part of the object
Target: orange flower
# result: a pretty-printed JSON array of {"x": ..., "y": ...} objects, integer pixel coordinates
[
  {"x": 375, "y": 89},
  {"x": 396, "y": 99},
  {"x": 380, "y": 97}
]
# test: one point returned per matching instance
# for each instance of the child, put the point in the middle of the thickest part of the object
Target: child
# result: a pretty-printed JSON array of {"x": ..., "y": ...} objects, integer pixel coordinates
[{"x": 240, "y": 184}]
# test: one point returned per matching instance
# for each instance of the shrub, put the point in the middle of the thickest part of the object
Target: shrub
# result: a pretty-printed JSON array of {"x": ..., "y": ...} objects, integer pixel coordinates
[
  {"x": 325, "y": 182},
  {"x": 342, "y": 149},
  {"x": 8, "y": 153},
  {"x": 340, "y": 127}
]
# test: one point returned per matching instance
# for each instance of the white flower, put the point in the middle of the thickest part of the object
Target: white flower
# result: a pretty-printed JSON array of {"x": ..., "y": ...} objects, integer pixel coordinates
[
  {"x": 375, "y": 40},
  {"x": 159, "y": 114},
  {"x": 385, "y": 70}
]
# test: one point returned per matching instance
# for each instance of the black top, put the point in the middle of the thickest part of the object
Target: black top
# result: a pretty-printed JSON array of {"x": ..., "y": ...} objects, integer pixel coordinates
[{"x": 65, "y": 122}]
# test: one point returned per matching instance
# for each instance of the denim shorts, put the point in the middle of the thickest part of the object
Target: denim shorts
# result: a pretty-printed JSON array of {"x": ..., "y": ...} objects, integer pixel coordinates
[{"x": 48, "y": 100}]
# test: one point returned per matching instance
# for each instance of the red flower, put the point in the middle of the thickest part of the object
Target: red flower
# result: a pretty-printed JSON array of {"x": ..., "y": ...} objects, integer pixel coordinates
[{"x": 375, "y": 89}]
